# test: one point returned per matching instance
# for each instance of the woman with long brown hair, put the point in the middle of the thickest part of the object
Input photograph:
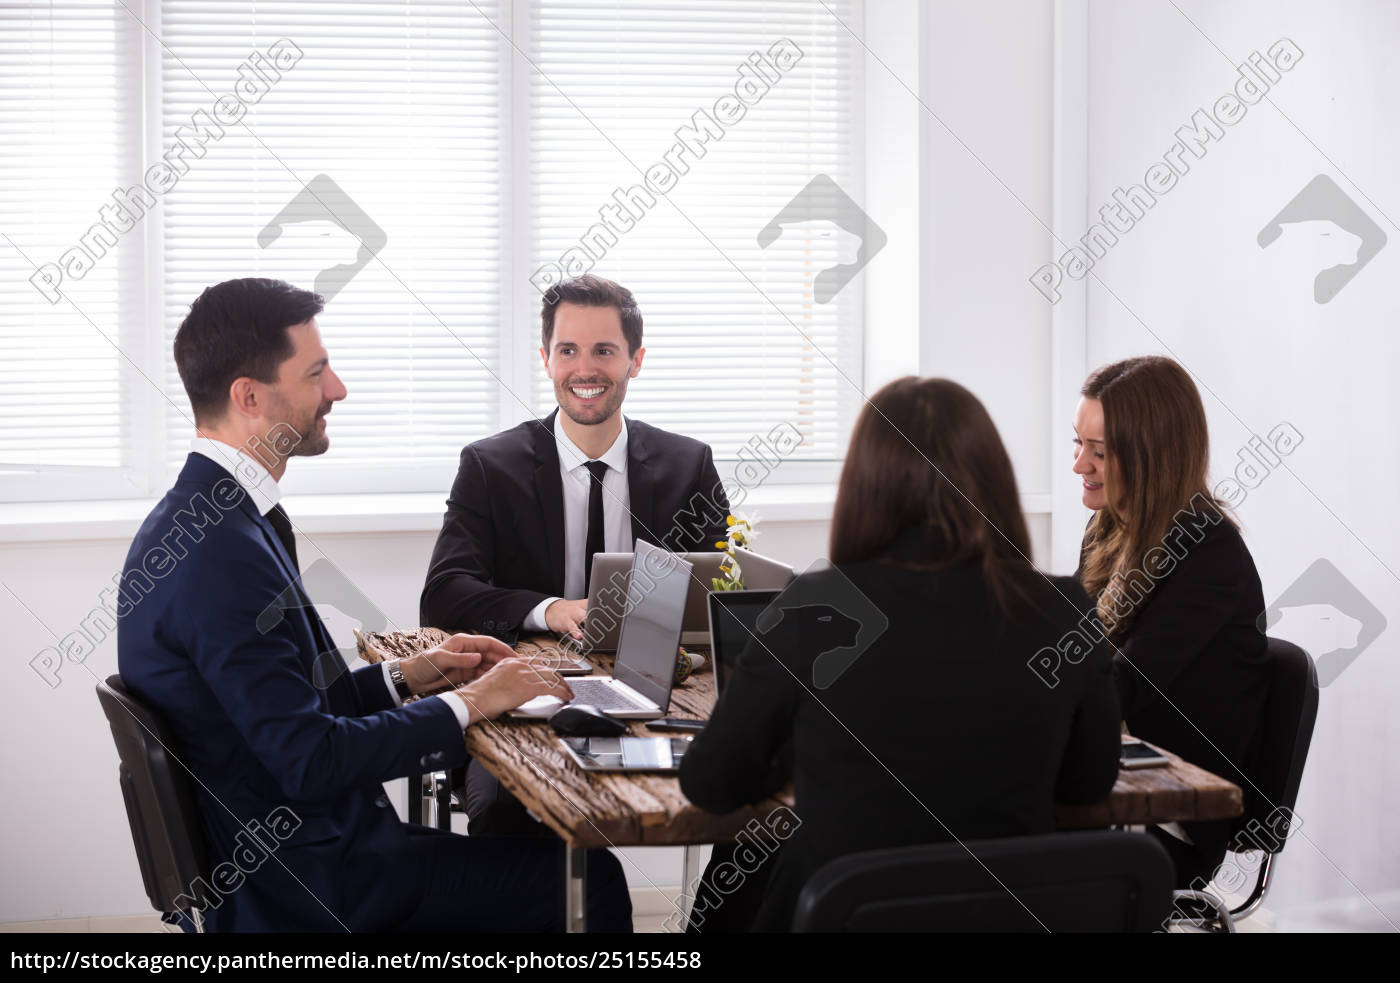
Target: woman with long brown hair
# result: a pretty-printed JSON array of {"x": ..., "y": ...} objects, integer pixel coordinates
[
  {"x": 1173, "y": 582},
  {"x": 900, "y": 679}
]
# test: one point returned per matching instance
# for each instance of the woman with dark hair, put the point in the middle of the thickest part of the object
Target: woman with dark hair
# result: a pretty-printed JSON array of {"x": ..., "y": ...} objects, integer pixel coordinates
[
  {"x": 1172, "y": 580},
  {"x": 936, "y": 727}
]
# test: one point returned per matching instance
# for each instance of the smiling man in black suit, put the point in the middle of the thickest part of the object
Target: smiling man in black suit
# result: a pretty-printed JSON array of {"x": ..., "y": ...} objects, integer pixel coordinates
[{"x": 533, "y": 504}]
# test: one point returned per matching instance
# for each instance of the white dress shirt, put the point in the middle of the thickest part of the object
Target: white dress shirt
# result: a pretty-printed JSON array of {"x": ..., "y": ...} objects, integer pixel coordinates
[
  {"x": 617, "y": 513},
  {"x": 262, "y": 488}
]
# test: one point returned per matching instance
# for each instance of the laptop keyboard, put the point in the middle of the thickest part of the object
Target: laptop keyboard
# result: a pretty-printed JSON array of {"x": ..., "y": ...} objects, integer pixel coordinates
[{"x": 598, "y": 693}]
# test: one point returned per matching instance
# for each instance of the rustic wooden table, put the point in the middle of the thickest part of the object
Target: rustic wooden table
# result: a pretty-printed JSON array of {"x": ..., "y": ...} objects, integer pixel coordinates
[{"x": 649, "y": 810}]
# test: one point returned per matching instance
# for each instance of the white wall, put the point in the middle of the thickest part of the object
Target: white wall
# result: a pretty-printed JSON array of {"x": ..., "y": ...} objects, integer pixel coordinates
[
  {"x": 1033, "y": 114},
  {"x": 987, "y": 151},
  {"x": 1191, "y": 280}
]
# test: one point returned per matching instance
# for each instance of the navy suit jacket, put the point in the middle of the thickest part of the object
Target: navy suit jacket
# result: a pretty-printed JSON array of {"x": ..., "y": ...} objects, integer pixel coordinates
[
  {"x": 501, "y": 548},
  {"x": 209, "y": 637}
]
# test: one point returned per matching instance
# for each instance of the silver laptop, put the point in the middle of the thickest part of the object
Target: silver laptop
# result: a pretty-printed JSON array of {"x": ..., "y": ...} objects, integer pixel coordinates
[
  {"x": 610, "y": 582},
  {"x": 640, "y": 686}
]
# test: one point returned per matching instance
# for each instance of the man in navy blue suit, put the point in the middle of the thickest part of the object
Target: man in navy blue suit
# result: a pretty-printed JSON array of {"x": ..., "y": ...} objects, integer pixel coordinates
[{"x": 288, "y": 750}]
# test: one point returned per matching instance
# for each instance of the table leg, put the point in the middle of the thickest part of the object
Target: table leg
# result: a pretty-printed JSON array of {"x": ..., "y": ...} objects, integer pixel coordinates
[
  {"x": 690, "y": 877},
  {"x": 575, "y": 889}
]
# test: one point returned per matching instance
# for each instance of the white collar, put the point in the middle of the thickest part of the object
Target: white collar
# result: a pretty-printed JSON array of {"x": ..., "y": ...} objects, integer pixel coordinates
[
  {"x": 571, "y": 457},
  {"x": 250, "y": 473}
]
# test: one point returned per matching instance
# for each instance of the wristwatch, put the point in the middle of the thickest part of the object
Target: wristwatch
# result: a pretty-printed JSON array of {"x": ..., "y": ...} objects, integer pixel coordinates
[{"x": 400, "y": 684}]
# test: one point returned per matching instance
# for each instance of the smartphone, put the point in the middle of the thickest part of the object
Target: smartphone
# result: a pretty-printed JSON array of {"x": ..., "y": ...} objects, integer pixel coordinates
[
  {"x": 677, "y": 723},
  {"x": 1136, "y": 754},
  {"x": 575, "y": 667}
]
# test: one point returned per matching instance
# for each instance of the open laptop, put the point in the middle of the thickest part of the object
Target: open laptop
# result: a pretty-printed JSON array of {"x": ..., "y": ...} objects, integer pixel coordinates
[
  {"x": 610, "y": 582},
  {"x": 733, "y": 625},
  {"x": 640, "y": 686}
]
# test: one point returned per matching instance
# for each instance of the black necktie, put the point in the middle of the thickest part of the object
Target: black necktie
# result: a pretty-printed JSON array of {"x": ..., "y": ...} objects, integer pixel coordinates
[
  {"x": 595, "y": 519},
  {"x": 283, "y": 526}
]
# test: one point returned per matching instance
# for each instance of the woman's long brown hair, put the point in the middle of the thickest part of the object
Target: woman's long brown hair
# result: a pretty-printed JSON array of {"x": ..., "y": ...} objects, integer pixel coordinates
[
  {"x": 1157, "y": 452},
  {"x": 926, "y": 456}
]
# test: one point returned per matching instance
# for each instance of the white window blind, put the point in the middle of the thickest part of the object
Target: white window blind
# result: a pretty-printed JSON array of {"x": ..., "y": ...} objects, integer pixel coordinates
[
  {"x": 410, "y": 142},
  {"x": 736, "y": 341},
  {"x": 64, "y": 116},
  {"x": 398, "y": 105}
]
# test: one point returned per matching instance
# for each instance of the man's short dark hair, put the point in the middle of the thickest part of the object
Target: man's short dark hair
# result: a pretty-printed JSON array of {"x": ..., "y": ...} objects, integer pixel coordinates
[
  {"x": 234, "y": 329},
  {"x": 593, "y": 291}
]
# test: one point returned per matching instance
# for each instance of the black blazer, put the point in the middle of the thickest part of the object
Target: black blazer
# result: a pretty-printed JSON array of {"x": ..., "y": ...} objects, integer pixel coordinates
[
  {"x": 501, "y": 548},
  {"x": 1191, "y": 671},
  {"x": 940, "y": 729}
]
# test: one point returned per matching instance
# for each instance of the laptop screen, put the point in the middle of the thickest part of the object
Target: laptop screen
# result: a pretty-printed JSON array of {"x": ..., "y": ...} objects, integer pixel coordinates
[
  {"x": 733, "y": 621},
  {"x": 651, "y": 626}
]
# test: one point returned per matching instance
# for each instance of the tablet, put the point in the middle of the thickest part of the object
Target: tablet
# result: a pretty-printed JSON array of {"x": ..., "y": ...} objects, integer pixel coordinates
[{"x": 627, "y": 753}]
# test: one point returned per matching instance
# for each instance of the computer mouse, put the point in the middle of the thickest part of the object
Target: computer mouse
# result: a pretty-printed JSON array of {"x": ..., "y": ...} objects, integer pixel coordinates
[{"x": 582, "y": 720}]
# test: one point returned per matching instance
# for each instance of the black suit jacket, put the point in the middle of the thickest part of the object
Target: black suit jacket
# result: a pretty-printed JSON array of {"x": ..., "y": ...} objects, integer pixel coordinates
[
  {"x": 501, "y": 548},
  {"x": 1192, "y": 670},
  {"x": 939, "y": 729}
]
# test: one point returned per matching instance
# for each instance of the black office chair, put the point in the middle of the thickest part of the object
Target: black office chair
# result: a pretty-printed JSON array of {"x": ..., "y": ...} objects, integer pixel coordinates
[
  {"x": 1101, "y": 881},
  {"x": 1290, "y": 710},
  {"x": 160, "y": 805}
]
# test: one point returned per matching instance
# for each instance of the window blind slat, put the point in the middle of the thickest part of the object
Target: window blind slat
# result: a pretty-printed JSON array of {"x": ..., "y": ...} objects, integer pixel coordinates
[
  {"x": 63, "y": 120},
  {"x": 397, "y": 103},
  {"x": 735, "y": 342},
  {"x": 409, "y": 108}
]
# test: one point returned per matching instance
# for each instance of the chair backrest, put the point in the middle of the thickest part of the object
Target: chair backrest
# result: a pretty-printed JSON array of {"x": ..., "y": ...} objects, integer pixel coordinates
[
  {"x": 1284, "y": 738},
  {"x": 1102, "y": 881},
  {"x": 160, "y": 803}
]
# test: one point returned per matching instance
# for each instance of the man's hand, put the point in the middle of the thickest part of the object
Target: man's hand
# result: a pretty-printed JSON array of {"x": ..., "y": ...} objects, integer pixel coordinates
[
  {"x": 507, "y": 685},
  {"x": 566, "y": 617},
  {"x": 458, "y": 660}
]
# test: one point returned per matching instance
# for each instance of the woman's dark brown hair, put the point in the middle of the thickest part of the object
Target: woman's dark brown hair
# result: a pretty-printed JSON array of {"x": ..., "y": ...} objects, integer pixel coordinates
[
  {"x": 925, "y": 456},
  {"x": 1156, "y": 452}
]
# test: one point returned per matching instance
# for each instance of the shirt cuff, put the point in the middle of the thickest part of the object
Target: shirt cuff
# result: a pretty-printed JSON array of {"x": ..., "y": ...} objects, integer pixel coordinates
[
  {"x": 389, "y": 682},
  {"x": 534, "y": 621},
  {"x": 459, "y": 707}
]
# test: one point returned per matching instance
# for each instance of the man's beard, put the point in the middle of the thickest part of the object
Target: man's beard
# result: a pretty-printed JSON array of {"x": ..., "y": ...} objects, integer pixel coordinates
[
  {"x": 597, "y": 413},
  {"x": 313, "y": 440}
]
